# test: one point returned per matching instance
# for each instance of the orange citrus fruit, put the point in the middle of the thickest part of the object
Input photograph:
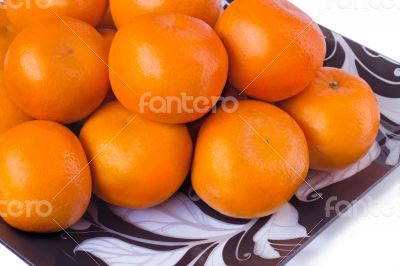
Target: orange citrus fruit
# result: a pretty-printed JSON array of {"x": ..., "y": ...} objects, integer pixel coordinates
[
  {"x": 340, "y": 118},
  {"x": 7, "y": 34},
  {"x": 136, "y": 163},
  {"x": 123, "y": 11},
  {"x": 274, "y": 48},
  {"x": 108, "y": 35},
  {"x": 22, "y": 13},
  {"x": 53, "y": 74},
  {"x": 10, "y": 114},
  {"x": 169, "y": 68},
  {"x": 249, "y": 162},
  {"x": 45, "y": 182}
]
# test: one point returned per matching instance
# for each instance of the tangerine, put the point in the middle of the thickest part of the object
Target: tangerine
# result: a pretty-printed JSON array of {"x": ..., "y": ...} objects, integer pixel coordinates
[
  {"x": 274, "y": 48},
  {"x": 56, "y": 70},
  {"x": 168, "y": 68},
  {"x": 136, "y": 163},
  {"x": 251, "y": 172},
  {"x": 339, "y": 115},
  {"x": 43, "y": 164}
]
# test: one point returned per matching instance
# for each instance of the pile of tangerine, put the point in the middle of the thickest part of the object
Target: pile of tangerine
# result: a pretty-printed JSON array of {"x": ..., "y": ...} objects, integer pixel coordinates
[{"x": 66, "y": 64}]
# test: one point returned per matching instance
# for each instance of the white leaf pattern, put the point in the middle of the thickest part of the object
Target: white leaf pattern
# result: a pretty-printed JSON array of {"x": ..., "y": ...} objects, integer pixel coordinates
[
  {"x": 119, "y": 253},
  {"x": 393, "y": 145},
  {"x": 390, "y": 108},
  {"x": 282, "y": 225},
  {"x": 180, "y": 217},
  {"x": 216, "y": 256},
  {"x": 394, "y": 151},
  {"x": 175, "y": 218}
]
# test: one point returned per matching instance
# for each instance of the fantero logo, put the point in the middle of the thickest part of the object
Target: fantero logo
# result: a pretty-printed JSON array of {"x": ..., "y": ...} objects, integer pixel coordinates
[
  {"x": 25, "y": 208},
  {"x": 28, "y": 4},
  {"x": 185, "y": 104}
]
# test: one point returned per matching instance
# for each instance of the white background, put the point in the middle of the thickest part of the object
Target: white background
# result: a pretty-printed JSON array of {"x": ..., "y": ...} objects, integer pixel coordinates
[{"x": 372, "y": 237}]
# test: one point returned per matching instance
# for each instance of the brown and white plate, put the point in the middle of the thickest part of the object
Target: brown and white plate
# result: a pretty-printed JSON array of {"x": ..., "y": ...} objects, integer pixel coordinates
[{"x": 184, "y": 231}]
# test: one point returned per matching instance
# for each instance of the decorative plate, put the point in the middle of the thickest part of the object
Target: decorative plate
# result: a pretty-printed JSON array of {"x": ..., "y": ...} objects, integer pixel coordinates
[{"x": 184, "y": 231}]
